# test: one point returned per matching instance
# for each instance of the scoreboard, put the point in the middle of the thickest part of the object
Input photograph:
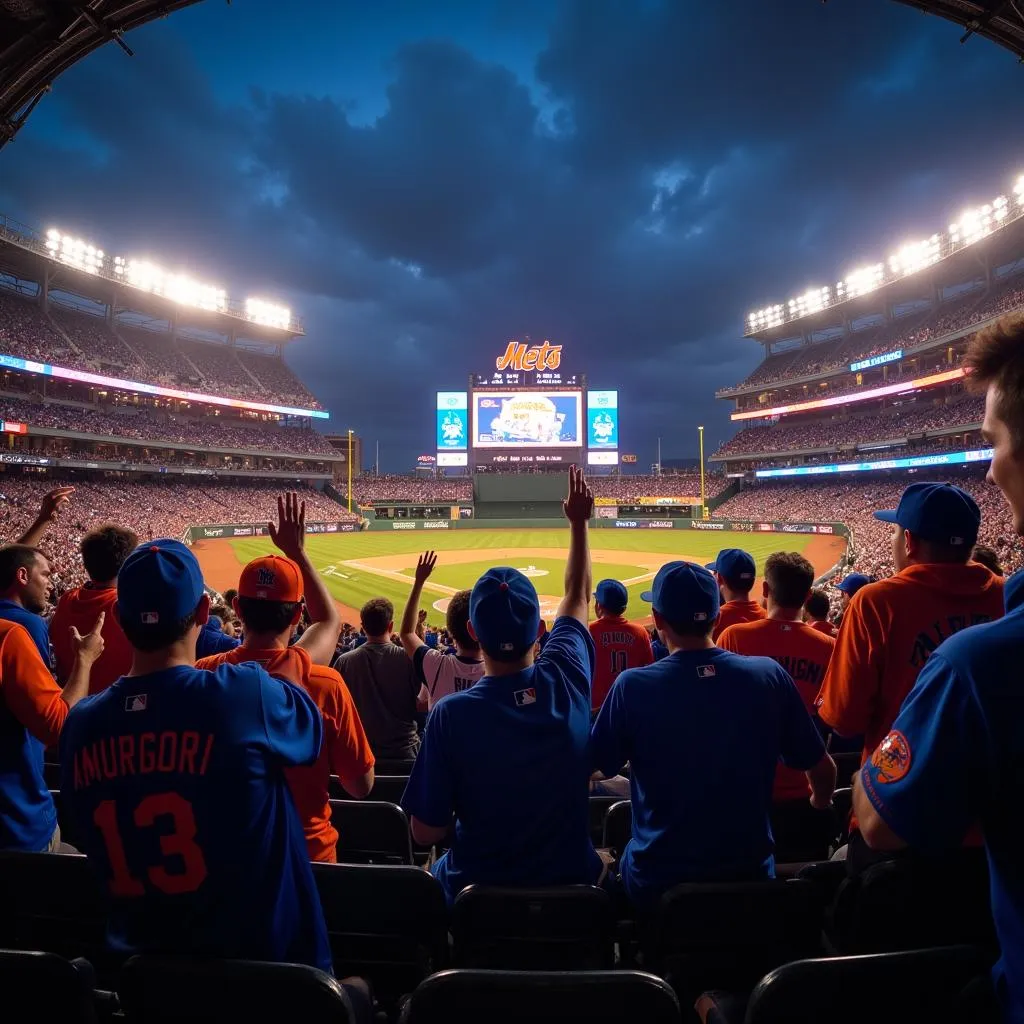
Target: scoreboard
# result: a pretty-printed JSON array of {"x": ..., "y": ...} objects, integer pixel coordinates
[{"x": 527, "y": 413}]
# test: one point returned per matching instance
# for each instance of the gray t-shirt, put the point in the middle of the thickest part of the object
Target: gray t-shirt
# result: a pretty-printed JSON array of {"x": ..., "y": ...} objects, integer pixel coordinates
[{"x": 384, "y": 686}]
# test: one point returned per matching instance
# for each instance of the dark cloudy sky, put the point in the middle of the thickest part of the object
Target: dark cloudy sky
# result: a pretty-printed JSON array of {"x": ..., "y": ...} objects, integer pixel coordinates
[{"x": 424, "y": 180}]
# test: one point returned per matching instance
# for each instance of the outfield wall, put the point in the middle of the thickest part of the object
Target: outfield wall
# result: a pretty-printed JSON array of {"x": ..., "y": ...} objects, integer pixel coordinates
[{"x": 216, "y": 531}]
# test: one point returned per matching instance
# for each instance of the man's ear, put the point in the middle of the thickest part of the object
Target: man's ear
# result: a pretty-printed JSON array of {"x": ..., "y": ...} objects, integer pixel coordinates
[
  {"x": 203, "y": 610},
  {"x": 471, "y": 631},
  {"x": 765, "y": 590},
  {"x": 234, "y": 605},
  {"x": 297, "y": 616},
  {"x": 540, "y": 629}
]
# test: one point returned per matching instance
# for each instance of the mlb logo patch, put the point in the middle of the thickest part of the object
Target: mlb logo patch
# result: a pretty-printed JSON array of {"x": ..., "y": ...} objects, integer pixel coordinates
[
  {"x": 524, "y": 697},
  {"x": 136, "y": 703},
  {"x": 150, "y": 618},
  {"x": 705, "y": 671}
]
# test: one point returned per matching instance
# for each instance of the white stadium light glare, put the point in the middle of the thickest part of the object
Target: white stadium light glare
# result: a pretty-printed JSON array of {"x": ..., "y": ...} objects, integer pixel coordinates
[
  {"x": 1018, "y": 190},
  {"x": 177, "y": 287},
  {"x": 75, "y": 252},
  {"x": 862, "y": 280},
  {"x": 915, "y": 256},
  {"x": 270, "y": 314}
]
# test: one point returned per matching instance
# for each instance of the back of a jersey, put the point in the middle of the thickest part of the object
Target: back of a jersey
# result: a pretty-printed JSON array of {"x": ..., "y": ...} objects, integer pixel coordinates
[
  {"x": 619, "y": 645},
  {"x": 175, "y": 782}
]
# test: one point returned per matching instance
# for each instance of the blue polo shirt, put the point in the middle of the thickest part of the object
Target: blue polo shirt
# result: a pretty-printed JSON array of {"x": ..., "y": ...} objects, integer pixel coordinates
[
  {"x": 35, "y": 624},
  {"x": 955, "y": 756},
  {"x": 212, "y": 641},
  {"x": 176, "y": 784},
  {"x": 508, "y": 759},
  {"x": 703, "y": 732}
]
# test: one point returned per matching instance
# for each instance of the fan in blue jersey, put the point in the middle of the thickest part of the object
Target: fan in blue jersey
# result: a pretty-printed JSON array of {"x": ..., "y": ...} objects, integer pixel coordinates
[
  {"x": 955, "y": 754},
  {"x": 174, "y": 778}
]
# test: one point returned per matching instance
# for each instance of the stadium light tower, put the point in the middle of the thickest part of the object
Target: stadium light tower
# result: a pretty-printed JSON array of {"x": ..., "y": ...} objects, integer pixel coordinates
[
  {"x": 350, "y": 469},
  {"x": 703, "y": 505}
]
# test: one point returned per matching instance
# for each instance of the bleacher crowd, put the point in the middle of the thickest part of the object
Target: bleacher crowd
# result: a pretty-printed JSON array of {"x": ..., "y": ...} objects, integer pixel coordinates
[
  {"x": 153, "y": 425},
  {"x": 81, "y": 341}
]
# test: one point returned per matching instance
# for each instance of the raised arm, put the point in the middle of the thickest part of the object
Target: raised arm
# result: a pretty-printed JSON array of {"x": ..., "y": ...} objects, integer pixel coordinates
[
  {"x": 49, "y": 509},
  {"x": 578, "y": 508},
  {"x": 411, "y": 640},
  {"x": 289, "y": 535},
  {"x": 86, "y": 650}
]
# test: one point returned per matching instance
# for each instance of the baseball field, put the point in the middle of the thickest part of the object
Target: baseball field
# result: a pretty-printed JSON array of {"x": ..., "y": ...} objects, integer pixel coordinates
[{"x": 364, "y": 565}]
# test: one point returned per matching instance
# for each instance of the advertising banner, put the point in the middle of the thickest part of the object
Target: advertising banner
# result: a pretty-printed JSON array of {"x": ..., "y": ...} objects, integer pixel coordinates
[
  {"x": 675, "y": 500},
  {"x": 232, "y": 530}
]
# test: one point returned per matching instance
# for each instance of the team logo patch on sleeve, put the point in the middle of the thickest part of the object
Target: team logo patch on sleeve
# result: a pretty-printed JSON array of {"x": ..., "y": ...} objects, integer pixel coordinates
[
  {"x": 136, "y": 703},
  {"x": 891, "y": 759},
  {"x": 705, "y": 671},
  {"x": 524, "y": 697}
]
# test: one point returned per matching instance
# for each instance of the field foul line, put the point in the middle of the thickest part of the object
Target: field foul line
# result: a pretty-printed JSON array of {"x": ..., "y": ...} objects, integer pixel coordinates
[
  {"x": 399, "y": 577},
  {"x": 638, "y": 579}
]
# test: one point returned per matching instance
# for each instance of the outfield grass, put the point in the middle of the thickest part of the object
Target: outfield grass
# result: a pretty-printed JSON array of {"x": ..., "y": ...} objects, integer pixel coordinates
[{"x": 354, "y": 585}]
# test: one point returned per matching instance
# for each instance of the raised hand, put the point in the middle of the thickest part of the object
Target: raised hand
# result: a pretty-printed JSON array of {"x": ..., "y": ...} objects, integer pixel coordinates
[
  {"x": 425, "y": 566},
  {"x": 579, "y": 505},
  {"x": 53, "y": 502},
  {"x": 289, "y": 535},
  {"x": 89, "y": 647}
]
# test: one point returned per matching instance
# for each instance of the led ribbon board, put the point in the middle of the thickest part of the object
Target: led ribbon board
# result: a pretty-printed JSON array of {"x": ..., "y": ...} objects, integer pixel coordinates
[
  {"x": 849, "y": 399},
  {"x": 29, "y": 366},
  {"x": 911, "y": 462}
]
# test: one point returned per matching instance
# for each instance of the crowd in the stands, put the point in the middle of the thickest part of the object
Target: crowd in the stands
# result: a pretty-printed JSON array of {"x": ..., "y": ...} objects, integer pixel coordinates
[
  {"x": 82, "y": 341},
  {"x": 155, "y": 509},
  {"x": 897, "y": 422},
  {"x": 153, "y": 425},
  {"x": 853, "y": 502}
]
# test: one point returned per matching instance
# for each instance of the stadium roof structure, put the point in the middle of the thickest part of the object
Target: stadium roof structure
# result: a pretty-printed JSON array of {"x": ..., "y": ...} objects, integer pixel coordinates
[
  {"x": 1002, "y": 21},
  {"x": 39, "y": 39}
]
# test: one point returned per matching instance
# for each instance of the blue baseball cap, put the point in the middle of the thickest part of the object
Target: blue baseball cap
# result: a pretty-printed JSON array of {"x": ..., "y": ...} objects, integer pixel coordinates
[
  {"x": 852, "y": 583},
  {"x": 940, "y": 513},
  {"x": 735, "y": 564},
  {"x": 684, "y": 592},
  {"x": 505, "y": 612},
  {"x": 160, "y": 582},
  {"x": 612, "y": 594}
]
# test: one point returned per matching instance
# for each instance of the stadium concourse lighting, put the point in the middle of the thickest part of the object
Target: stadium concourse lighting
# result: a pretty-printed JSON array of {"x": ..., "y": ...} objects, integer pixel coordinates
[
  {"x": 74, "y": 251},
  {"x": 259, "y": 311},
  {"x": 176, "y": 287}
]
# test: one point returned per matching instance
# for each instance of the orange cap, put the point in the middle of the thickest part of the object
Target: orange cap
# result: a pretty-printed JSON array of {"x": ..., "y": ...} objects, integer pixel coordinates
[{"x": 271, "y": 578}]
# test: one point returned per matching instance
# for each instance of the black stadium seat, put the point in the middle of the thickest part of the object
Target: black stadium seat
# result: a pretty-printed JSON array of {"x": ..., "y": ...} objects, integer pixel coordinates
[
  {"x": 51, "y": 773},
  {"x": 168, "y": 990},
  {"x": 390, "y": 788},
  {"x": 570, "y": 927},
  {"x": 54, "y": 904},
  {"x": 599, "y": 806},
  {"x": 44, "y": 987},
  {"x": 371, "y": 832},
  {"x": 618, "y": 826},
  {"x": 728, "y": 935},
  {"x": 390, "y": 767},
  {"x": 386, "y": 924},
  {"x": 802, "y": 833},
  {"x": 912, "y": 902},
  {"x": 594, "y": 997},
  {"x": 947, "y": 985}
]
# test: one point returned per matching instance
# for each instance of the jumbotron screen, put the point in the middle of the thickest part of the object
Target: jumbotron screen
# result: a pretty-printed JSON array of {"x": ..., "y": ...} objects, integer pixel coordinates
[{"x": 526, "y": 426}]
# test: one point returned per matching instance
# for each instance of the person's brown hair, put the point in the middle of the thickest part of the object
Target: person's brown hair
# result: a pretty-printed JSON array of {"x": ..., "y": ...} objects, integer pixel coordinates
[
  {"x": 817, "y": 604},
  {"x": 790, "y": 577},
  {"x": 988, "y": 557},
  {"x": 996, "y": 356},
  {"x": 375, "y": 616},
  {"x": 104, "y": 551},
  {"x": 457, "y": 619}
]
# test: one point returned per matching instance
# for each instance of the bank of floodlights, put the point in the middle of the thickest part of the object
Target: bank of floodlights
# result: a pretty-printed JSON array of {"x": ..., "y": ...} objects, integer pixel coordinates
[
  {"x": 75, "y": 252},
  {"x": 177, "y": 287},
  {"x": 971, "y": 226},
  {"x": 861, "y": 281},
  {"x": 259, "y": 311}
]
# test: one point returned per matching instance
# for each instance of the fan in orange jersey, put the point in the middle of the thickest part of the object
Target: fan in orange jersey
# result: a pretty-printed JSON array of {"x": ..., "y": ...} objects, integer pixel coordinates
[
  {"x": 801, "y": 650},
  {"x": 619, "y": 644},
  {"x": 892, "y": 626},
  {"x": 816, "y": 609},
  {"x": 735, "y": 570},
  {"x": 269, "y": 603}
]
